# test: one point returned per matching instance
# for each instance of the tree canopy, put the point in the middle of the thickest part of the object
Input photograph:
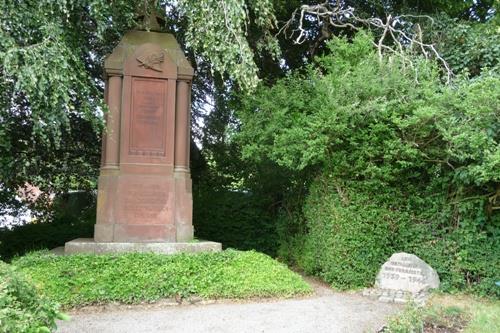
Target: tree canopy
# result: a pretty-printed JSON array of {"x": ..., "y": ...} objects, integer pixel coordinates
[{"x": 51, "y": 73}]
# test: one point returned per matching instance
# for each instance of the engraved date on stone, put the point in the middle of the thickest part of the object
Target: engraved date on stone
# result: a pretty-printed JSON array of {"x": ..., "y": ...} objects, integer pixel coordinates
[{"x": 392, "y": 276}]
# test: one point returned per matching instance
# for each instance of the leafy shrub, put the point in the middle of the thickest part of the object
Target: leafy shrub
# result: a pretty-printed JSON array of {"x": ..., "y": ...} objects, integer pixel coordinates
[
  {"x": 465, "y": 253},
  {"x": 74, "y": 206},
  {"x": 467, "y": 46},
  {"x": 78, "y": 280},
  {"x": 236, "y": 219},
  {"x": 351, "y": 233},
  {"x": 37, "y": 236},
  {"x": 411, "y": 320},
  {"x": 346, "y": 241},
  {"x": 21, "y": 308},
  {"x": 402, "y": 162}
]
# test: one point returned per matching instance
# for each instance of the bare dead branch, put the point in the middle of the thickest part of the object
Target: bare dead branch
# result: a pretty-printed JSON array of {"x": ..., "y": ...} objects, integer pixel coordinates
[{"x": 392, "y": 30}]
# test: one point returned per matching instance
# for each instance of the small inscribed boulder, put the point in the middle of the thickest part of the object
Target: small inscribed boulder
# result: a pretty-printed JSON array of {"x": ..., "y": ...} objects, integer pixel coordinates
[
  {"x": 405, "y": 276},
  {"x": 407, "y": 272}
]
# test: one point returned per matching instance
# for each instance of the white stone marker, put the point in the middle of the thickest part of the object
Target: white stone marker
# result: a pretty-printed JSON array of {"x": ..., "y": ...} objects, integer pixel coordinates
[
  {"x": 405, "y": 276},
  {"x": 407, "y": 272}
]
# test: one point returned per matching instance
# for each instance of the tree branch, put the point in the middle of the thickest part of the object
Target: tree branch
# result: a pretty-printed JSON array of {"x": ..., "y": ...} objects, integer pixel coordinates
[{"x": 392, "y": 30}]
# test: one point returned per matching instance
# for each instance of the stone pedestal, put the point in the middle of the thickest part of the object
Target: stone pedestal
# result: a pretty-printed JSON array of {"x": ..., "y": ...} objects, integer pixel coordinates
[
  {"x": 144, "y": 189},
  {"x": 88, "y": 245}
]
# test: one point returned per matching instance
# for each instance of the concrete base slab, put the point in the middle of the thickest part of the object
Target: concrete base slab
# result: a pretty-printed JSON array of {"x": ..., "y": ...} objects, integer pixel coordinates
[
  {"x": 88, "y": 245},
  {"x": 58, "y": 251}
]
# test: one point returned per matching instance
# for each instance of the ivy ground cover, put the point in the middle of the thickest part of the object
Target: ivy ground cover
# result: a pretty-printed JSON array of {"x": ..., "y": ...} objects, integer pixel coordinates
[{"x": 79, "y": 280}]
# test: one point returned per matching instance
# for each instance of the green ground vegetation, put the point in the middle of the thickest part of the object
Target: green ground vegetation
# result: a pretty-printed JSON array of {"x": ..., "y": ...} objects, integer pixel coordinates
[
  {"x": 79, "y": 280},
  {"x": 21, "y": 308},
  {"x": 449, "y": 313}
]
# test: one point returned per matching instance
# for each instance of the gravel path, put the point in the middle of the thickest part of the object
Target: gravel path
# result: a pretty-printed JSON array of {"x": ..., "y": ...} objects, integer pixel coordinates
[{"x": 326, "y": 311}]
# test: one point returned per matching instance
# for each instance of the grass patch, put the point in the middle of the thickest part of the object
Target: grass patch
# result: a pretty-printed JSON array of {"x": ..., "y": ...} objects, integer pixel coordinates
[
  {"x": 449, "y": 314},
  {"x": 484, "y": 314},
  {"x": 79, "y": 280}
]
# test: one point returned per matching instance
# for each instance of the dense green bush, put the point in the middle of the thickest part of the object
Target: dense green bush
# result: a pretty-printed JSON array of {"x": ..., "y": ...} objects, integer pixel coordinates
[
  {"x": 351, "y": 232},
  {"x": 469, "y": 47},
  {"x": 349, "y": 236},
  {"x": 21, "y": 308},
  {"x": 403, "y": 162},
  {"x": 132, "y": 278},
  {"x": 464, "y": 252},
  {"x": 236, "y": 219},
  {"x": 37, "y": 236}
]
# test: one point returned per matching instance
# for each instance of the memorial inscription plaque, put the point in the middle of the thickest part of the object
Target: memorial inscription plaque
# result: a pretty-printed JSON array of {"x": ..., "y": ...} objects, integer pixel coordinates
[
  {"x": 147, "y": 126},
  {"x": 146, "y": 201}
]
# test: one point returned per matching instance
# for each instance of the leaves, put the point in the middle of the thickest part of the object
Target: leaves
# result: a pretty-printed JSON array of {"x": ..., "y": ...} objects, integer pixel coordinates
[
  {"x": 218, "y": 30},
  {"x": 134, "y": 278},
  {"x": 51, "y": 84},
  {"x": 364, "y": 118},
  {"x": 21, "y": 308},
  {"x": 401, "y": 162}
]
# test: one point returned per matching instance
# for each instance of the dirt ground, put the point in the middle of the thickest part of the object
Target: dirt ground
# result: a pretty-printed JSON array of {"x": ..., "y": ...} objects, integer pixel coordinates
[{"x": 324, "y": 311}]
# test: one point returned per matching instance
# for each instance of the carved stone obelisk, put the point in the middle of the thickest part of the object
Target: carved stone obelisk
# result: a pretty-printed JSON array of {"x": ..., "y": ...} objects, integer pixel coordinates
[{"x": 144, "y": 189}]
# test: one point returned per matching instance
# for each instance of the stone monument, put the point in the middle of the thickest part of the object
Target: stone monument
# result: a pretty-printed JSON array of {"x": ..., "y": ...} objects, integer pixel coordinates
[
  {"x": 144, "y": 198},
  {"x": 402, "y": 278}
]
